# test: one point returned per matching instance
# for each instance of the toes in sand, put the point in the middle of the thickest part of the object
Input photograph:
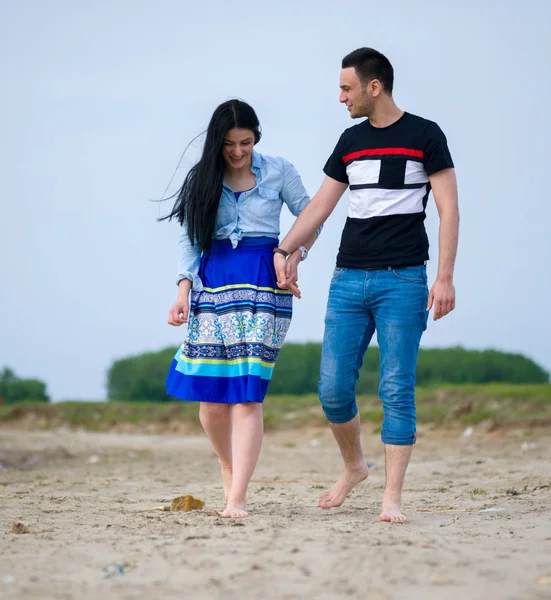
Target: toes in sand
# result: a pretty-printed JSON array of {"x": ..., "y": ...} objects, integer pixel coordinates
[
  {"x": 337, "y": 494},
  {"x": 236, "y": 511},
  {"x": 392, "y": 513}
]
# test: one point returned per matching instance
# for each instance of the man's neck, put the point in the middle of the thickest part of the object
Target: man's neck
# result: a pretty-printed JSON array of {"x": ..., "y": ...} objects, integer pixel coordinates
[{"x": 385, "y": 114}]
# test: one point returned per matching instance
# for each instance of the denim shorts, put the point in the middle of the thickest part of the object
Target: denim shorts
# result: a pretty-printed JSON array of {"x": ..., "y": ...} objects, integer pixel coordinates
[{"x": 393, "y": 303}]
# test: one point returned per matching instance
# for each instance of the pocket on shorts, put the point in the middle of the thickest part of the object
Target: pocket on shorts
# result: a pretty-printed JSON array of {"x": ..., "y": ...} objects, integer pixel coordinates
[
  {"x": 414, "y": 274},
  {"x": 338, "y": 271}
]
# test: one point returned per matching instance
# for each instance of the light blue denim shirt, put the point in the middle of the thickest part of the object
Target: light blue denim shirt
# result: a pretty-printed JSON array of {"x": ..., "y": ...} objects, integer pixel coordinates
[{"x": 255, "y": 214}]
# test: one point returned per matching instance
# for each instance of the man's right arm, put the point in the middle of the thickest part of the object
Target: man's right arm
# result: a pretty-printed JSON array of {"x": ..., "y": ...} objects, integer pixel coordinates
[
  {"x": 309, "y": 220},
  {"x": 314, "y": 215}
]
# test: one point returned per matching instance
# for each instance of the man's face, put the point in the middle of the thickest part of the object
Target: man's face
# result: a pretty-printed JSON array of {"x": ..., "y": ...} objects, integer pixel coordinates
[{"x": 354, "y": 94}]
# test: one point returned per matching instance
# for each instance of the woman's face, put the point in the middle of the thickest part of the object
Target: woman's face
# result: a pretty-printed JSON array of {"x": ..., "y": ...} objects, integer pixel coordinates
[{"x": 238, "y": 147}]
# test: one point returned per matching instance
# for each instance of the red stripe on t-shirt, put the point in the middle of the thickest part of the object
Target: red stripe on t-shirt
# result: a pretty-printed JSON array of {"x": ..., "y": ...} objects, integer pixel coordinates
[{"x": 382, "y": 151}]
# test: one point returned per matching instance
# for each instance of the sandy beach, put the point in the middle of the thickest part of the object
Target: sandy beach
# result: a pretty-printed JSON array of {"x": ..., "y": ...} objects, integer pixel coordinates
[{"x": 479, "y": 507}]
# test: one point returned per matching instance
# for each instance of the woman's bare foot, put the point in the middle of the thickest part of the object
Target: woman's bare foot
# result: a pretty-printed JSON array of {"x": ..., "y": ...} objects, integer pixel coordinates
[
  {"x": 227, "y": 479},
  {"x": 337, "y": 494},
  {"x": 236, "y": 510},
  {"x": 391, "y": 510}
]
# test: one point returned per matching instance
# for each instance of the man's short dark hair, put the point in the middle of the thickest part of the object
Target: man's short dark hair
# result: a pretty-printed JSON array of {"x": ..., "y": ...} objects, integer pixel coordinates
[{"x": 369, "y": 65}]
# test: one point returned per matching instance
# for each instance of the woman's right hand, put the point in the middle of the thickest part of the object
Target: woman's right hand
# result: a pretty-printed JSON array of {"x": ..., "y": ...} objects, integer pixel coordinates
[{"x": 178, "y": 314}]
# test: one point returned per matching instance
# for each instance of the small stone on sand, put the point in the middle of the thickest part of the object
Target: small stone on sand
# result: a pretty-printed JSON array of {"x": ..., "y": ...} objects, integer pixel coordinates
[
  {"x": 186, "y": 503},
  {"x": 20, "y": 529}
]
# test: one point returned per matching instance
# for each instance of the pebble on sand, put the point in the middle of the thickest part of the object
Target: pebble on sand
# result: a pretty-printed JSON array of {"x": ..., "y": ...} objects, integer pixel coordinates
[
  {"x": 21, "y": 528},
  {"x": 186, "y": 503}
]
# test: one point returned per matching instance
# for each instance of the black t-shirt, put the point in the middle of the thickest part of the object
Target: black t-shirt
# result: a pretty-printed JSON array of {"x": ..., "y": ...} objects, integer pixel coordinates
[{"x": 387, "y": 170}]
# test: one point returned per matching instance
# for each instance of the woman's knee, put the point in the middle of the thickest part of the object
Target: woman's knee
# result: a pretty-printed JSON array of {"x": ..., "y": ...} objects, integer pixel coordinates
[{"x": 213, "y": 411}]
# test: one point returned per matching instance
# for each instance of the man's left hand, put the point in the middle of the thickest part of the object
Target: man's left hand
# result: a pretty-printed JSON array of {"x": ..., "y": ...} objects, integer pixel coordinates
[
  {"x": 286, "y": 273},
  {"x": 291, "y": 272},
  {"x": 442, "y": 298}
]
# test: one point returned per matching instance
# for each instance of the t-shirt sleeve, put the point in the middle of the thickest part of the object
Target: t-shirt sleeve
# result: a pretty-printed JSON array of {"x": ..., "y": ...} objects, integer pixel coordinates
[
  {"x": 436, "y": 154},
  {"x": 335, "y": 167}
]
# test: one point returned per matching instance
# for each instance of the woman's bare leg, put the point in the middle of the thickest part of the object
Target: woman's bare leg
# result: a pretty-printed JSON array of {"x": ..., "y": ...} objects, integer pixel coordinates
[
  {"x": 216, "y": 421},
  {"x": 247, "y": 429}
]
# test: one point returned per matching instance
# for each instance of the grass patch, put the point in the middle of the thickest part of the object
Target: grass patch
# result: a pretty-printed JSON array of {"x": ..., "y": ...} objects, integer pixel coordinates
[
  {"x": 501, "y": 404},
  {"x": 477, "y": 416},
  {"x": 432, "y": 413},
  {"x": 375, "y": 415}
]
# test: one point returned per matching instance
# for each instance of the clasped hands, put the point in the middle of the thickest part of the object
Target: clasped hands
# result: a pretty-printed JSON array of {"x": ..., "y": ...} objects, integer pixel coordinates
[{"x": 287, "y": 272}]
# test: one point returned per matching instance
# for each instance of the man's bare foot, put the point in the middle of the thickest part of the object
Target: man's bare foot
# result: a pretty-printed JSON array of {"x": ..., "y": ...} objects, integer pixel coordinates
[
  {"x": 391, "y": 511},
  {"x": 227, "y": 479},
  {"x": 337, "y": 494},
  {"x": 236, "y": 510}
]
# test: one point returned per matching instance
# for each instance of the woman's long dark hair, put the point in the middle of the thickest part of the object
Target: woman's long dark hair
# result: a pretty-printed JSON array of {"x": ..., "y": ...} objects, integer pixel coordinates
[{"x": 198, "y": 199}]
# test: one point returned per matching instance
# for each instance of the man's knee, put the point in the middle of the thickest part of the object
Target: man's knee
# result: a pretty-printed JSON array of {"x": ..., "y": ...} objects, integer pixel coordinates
[
  {"x": 338, "y": 402},
  {"x": 340, "y": 414},
  {"x": 398, "y": 398},
  {"x": 397, "y": 387}
]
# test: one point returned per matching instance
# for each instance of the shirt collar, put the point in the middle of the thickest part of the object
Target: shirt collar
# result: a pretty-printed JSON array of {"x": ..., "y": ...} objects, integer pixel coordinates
[{"x": 257, "y": 161}]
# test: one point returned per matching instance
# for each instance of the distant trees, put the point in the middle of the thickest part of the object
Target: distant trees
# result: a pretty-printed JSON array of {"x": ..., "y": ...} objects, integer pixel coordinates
[
  {"x": 141, "y": 378},
  {"x": 13, "y": 389},
  {"x": 457, "y": 365},
  {"x": 298, "y": 368}
]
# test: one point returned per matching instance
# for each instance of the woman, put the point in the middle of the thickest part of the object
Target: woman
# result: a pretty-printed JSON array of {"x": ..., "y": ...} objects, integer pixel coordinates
[{"x": 229, "y": 208}]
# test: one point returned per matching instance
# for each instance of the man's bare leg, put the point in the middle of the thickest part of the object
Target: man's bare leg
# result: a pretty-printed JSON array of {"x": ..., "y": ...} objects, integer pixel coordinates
[
  {"x": 216, "y": 421},
  {"x": 396, "y": 464},
  {"x": 355, "y": 469}
]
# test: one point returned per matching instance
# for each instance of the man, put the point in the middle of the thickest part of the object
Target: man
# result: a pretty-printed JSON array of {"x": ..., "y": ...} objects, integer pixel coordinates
[{"x": 390, "y": 162}]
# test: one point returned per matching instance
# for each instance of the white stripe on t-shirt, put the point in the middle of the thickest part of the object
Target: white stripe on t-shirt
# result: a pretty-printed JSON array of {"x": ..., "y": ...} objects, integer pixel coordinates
[
  {"x": 415, "y": 172},
  {"x": 361, "y": 172},
  {"x": 377, "y": 202}
]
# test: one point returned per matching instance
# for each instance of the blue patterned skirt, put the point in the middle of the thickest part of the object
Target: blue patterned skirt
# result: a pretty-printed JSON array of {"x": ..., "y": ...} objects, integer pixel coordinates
[{"x": 236, "y": 326}]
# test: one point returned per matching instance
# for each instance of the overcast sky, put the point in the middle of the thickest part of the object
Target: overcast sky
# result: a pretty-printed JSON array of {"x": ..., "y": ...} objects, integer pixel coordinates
[{"x": 100, "y": 98}]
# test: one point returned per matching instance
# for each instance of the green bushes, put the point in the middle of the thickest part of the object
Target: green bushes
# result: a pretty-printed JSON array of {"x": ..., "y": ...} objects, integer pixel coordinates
[
  {"x": 141, "y": 378},
  {"x": 13, "y": 389},
  {"x": 457, "y": 365}
]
